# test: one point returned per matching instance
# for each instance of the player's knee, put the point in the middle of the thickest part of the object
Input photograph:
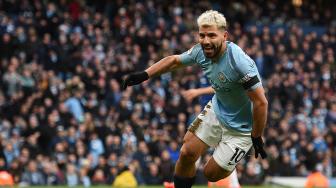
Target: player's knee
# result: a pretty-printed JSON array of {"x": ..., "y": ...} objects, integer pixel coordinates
[
  {"x": 214, "y": 175},
  {"x": 188, "y": 153},
  {"x": 213, "y": 178},
  {"x": 211, "y": 175}
]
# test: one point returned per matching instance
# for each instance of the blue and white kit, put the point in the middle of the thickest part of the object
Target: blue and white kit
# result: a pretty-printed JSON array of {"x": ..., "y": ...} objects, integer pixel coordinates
[{"x": 226, "y": 121}]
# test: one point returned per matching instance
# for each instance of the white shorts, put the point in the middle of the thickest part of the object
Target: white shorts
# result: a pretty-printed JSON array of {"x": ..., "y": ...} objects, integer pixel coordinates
[{"x": 230, "y": 146}]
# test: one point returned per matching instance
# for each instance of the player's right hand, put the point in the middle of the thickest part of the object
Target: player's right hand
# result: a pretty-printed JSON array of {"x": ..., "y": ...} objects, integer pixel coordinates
[{"x": 134, "y": 79}]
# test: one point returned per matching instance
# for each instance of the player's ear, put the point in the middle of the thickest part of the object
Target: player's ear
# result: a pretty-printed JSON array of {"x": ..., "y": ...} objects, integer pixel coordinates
[{"x": 226, "y": 34}]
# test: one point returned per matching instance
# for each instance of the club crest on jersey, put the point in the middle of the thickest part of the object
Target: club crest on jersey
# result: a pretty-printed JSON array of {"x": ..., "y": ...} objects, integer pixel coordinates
[{"x": 222, "y": 77}]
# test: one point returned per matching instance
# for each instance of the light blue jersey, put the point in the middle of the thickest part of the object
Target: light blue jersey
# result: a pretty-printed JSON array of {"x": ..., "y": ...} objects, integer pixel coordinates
[{"x": 233, "y": 74}]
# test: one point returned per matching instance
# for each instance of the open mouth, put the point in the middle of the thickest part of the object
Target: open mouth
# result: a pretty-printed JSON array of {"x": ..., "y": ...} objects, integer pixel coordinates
[{"x": 208, "y": 49}]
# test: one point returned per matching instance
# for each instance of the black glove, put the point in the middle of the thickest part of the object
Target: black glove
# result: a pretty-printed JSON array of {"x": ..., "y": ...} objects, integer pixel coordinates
[
  {"x": 134, "y": 79},
  {"x": 258, "y": 145}
]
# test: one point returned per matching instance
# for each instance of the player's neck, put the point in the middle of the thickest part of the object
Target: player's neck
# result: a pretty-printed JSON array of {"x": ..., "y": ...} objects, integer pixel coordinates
[{"x": 220, "y": 54}]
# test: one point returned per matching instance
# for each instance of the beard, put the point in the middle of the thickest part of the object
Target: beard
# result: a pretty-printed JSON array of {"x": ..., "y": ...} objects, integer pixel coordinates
[{"x": 212, "y": 50}]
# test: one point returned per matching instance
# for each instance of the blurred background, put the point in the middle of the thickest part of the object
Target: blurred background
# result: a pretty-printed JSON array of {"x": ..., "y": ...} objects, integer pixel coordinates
[{"x": 65, "y": 121}]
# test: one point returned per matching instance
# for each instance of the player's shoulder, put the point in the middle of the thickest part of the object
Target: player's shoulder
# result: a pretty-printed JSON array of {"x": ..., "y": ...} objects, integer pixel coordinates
[
  {"x": 193, "y": 55},
  {"x": 196, "y": 52},
  {"x": 237, "y": 55},
  {"x": 234, "y": 49},
  {"x": 195, "y": 49}
]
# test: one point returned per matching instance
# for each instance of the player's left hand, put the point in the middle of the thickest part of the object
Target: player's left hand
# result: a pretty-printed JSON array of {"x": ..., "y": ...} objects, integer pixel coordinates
[{"x": 258, "y": 146}]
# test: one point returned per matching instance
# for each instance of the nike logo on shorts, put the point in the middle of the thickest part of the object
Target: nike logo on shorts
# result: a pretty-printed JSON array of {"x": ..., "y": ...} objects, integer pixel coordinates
[{"x": 229, "y": 163}]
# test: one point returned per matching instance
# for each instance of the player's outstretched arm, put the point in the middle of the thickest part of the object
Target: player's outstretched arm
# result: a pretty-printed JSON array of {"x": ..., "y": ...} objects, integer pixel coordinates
[
  {"x": 260, "y": 106},
  {"x": 166, "y": 64},
  {"x": 190, "y": 94}
]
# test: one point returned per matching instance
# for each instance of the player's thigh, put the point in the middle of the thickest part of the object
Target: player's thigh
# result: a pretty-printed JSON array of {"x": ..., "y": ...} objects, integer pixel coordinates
[
  {"x": 192, "y": 147},
  {"x": 204, "y": 132},
  {"x": 230, "y": 151},
  {"x": 206, "y": 127}
]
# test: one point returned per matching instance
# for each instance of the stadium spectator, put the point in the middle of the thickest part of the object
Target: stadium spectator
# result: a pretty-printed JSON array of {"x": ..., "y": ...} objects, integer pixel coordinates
[
  {"x": 317, "y": 179},
  {"x": 6, "y": 179},
  {"x": 32, "y": 176},
  {"x": 125, "y": 179}
]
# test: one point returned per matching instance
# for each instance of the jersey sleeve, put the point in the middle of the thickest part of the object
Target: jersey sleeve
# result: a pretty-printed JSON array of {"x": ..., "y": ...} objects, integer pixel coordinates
[
  {"x": 246, "y": 68},
  {"x": 192, "y": 56}
]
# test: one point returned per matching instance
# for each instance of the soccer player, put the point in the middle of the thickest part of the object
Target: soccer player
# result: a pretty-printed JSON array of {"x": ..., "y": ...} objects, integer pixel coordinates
[{"x": 234, "y": 119}]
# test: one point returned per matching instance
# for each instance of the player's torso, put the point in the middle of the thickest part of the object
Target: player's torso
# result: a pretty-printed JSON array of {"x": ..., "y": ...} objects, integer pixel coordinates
[
  {"x": 224, "y": 79},
  {"x": 220, "y": 75}
]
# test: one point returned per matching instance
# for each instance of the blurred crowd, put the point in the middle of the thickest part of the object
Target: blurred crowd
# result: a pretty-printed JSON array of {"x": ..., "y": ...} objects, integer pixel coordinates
[{"x": 64, "y": 119}]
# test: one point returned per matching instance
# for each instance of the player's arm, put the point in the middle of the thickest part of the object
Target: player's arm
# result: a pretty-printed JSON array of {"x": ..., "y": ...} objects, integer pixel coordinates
[
  {"x": 166, "y": 64},
  {"x": 190, "y": 94},
  {"x": 260, "y": 105}
]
